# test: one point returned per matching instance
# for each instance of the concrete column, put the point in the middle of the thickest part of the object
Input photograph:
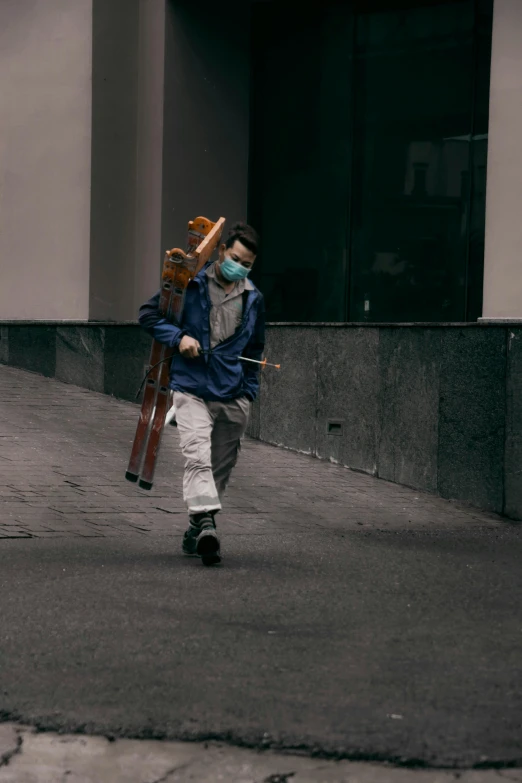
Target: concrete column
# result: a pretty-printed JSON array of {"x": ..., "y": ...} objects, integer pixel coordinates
[
  {"x": 128, "y": 75},
  {"x": 206, "y": 116},
  {"x": 503, "y": 251},
  {"x": 45, "y": 157},
  {"x": 114, "y": 158},
  {"x": 151, "y": 56}
]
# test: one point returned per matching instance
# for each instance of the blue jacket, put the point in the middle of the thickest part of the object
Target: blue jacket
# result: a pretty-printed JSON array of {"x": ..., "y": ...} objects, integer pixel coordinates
[{"x": 219, "y": 374}]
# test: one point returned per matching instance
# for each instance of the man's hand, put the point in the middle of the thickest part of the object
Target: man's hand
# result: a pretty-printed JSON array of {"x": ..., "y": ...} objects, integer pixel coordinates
[{"x": 188, "y": 347}]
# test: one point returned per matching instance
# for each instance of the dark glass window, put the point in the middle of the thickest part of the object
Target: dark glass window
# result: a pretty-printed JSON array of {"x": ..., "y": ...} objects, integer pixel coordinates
[
  {"x": 368, "y": 158},
  {"x": 300, "y": 159}
]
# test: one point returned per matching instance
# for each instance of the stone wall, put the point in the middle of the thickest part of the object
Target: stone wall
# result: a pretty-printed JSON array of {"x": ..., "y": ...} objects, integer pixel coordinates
[
  {"x": 434, "y": 407},
  {"x": 438, "y": 408},
  {"x": 105, "y": 357}
]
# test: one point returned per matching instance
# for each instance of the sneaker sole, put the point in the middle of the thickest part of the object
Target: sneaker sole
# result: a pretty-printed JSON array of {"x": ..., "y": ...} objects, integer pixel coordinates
[
  {"x": 210, "y": 560},
  {"x": 208, "y": 549}
]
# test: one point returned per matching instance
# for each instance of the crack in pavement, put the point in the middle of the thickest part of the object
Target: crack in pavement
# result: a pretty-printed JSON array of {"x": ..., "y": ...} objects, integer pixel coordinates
[{"x": 179, "y": 768}]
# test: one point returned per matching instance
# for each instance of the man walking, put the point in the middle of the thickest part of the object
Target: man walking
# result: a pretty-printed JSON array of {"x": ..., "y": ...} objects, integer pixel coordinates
[{"x": 223, "y": 319}]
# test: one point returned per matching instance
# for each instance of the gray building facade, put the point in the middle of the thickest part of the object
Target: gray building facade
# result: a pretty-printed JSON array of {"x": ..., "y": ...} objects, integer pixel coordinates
[{"x": 375, "y": 145}]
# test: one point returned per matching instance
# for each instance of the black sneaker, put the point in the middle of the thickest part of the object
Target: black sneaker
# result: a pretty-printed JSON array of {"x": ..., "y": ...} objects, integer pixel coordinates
[
  {"x": 190, "y": 537},
  {"x": 207, "y": 543}
]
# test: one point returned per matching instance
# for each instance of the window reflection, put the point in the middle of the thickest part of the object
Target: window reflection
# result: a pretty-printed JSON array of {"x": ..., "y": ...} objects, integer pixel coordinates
[
  {"x": 414, "y": 81},
  {"x": 370, "y": 141}
]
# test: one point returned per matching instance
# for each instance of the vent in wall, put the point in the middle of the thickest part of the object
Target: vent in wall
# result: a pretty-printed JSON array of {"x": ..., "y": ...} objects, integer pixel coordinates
[{"x": 334, "y": 427}]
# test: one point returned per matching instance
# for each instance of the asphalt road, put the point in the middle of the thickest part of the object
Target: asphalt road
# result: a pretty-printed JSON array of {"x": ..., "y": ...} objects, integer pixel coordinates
[{"x": 364, "y": 632}]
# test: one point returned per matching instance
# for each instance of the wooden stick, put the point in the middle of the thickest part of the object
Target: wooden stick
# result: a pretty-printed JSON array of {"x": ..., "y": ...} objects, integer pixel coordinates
[{"x": 264, "y": 363}]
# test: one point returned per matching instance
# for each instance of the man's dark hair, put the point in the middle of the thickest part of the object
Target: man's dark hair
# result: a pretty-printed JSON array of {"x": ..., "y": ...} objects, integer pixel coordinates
[{"x": 245, "y": 234}]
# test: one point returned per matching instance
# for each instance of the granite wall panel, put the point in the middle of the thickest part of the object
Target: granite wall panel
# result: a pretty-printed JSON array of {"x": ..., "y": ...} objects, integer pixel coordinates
[
  {"x": 348, "y": 396},
  {"x": 80, "y": 356},
  {"x": 254, "y": 421},
  {"x": 4, "y": 345},
  {"x": 513, "y": 445},
  {"x": 472, "y": 416},
  {"x": 127, "y": 351},
  {"x": 409, "y": 362},
  {"x": 33, "y": 347},
  {"x": 288, "y": 404}
]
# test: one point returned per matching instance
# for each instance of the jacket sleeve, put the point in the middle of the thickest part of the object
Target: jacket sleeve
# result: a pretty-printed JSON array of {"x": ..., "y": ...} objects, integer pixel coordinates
[
  {"x": 254, "y": 350},
  {"x": 158, "y": 327}
]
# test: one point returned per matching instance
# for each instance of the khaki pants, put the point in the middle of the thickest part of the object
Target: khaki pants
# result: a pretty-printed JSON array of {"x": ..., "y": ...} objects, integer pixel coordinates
[{"x": 210, "y": 439}]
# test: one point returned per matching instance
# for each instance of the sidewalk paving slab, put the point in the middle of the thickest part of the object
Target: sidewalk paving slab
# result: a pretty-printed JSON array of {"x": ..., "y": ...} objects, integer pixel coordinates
[{"x": 49, "y": 758}]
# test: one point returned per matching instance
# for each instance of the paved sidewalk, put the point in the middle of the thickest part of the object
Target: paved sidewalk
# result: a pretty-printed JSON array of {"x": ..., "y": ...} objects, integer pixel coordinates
[
  {"x": 351, "y": 619},
  {"x": 65, "y": 451}
]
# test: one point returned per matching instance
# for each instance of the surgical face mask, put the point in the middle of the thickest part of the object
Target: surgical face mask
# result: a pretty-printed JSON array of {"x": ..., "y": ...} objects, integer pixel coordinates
[{"x": 233, "y": 271}]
